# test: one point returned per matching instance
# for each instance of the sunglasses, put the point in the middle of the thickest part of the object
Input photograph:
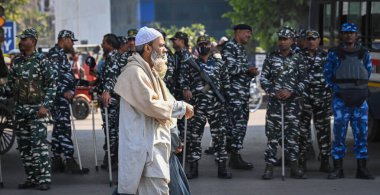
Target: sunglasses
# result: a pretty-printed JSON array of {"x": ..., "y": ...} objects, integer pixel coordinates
[{"x": 311, "y": 39}]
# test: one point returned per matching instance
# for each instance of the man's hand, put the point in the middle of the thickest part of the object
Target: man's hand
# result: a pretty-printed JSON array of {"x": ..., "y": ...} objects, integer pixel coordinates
[
  {"x": 106, "y": 98},
  {"x": 68, "y": 95},
  {"x": 42, "y": 112},
  {"x": 187, "y": 94},
  {"x": 283, "y": 94},
  {"x": 189, "y": 111},
  {"x": 253, "y": 71}
]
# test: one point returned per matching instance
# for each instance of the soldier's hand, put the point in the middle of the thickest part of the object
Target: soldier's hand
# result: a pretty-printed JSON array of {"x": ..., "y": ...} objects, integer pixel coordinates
[
  {"x": 106, "y": 98},
  {"x": 284, "y": 94},
  {"x": 68, "y": 95},
  {"x": 42, "y": 112},
  {"x": 253, "y": 71},
  {"x": 187, "y": 94},
  {"x": 189, "y": 111}
]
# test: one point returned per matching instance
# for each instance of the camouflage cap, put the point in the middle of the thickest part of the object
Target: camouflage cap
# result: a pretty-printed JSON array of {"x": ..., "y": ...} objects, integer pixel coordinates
[
  {"x": 312, "y": 34},
  {"x": 28, "y": 33},
  {"x": 349, "y": 27},
  {"x": 131, "y": 33},
  {"x": 67, "y": 34},
  {"x": 203, "y": 39},
  {"x": 287, "y": 32},
  {"x": 122, "y": 39},
  {"x": 301, "y": 33},
  {"x": 180, "y": 35}
]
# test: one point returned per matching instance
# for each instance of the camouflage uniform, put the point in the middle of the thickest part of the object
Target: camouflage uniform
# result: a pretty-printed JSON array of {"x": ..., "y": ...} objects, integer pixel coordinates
[
  {"x": 110, "y": 71},
  {"x": 283, "y": 72},
  {"x": 235, "y": 56},
  {"x": 317, "y": 105},
  {"x": 31, "y": 83},
  {"x": 209, "y": 108},
  {"x": 61, "y": 136}
]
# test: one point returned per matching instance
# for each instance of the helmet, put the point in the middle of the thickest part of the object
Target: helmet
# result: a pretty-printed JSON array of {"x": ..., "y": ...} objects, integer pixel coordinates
[{"x": 90, "y": 61}]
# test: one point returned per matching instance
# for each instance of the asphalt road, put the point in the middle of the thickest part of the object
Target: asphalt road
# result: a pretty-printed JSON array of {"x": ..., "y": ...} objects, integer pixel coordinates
[{"x": 243, "y": 182}]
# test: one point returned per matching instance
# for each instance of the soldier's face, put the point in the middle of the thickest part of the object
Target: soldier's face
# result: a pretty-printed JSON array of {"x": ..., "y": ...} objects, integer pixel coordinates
[
  {"x": 349, "y": 37},
  {"x": 313, "y": 43},
  {"x": 131, "y": 44},
  {"x": 244, "y": 35},
  {"x": 106, "y": 47},
  {"x": 68, "y": 45},
  {"x": 27, "y": 44},
  {"x": 284, "y": 43}
]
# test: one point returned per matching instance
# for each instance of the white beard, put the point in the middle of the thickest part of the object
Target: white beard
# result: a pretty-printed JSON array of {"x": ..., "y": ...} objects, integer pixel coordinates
[{"x": 159, "y": 63}]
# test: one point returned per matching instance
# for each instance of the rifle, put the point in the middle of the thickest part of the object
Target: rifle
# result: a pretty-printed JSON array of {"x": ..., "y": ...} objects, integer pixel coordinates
[{"x": 189, "y": 59}]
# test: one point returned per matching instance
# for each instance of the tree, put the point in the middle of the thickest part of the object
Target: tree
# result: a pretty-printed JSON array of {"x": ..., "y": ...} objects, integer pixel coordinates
[{"x": 267, "y": 16}]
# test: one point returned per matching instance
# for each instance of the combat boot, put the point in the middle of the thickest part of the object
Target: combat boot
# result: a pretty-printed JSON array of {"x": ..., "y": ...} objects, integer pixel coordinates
[
  {"x": 193, "y": 170},
  {"x": 268, "y": 173},
  {"x": 223, "y": 171},
  {"x": 296, "y": 172},
  {"x": 44, "y": 186},
  {"x": 302, "y": 164},
  {"x": 57, "y": 165},
  {"x": 325, "y": 164},
  {"x": 362, "y": 172},
  {"x": 237, "y": 162},
  {"x": 337, "y": 173},
  {"x": 26, "y": 185},
  {"x": 73, "y": 167}
]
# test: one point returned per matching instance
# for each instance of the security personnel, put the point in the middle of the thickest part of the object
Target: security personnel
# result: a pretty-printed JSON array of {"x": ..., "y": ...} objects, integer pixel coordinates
[
  {"x": 131, "y": 34},
  {"x": 209, "y": 107},
  {"x": 240, "y": 73},
  {"x": 123, "y": 44},
  {"x": 347, "y": 71},
  {"x": 61, "y": 136},
  {"x": 32, "y": 85},
  {"x": 283, "y": 78},
  {"x": 317, "y": 103},
  {"x": 109, "y": 98},
  {"x": 175, "y": 74}
]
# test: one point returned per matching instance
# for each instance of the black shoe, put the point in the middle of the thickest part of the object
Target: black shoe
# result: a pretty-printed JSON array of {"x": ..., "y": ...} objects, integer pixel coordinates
[
  {"x": 362, "y": 172},
  {"x": 44, "y": 187},
  {"x": 325, "y": 164},
  {"x": 223, "y": 171},
  {"x": 73, "y": 167},
  {"x": 296, "y": 172},
  {"x": 337, "y": 173},
  {"x": 268, "y": 173},
  {"x": 26, "y": 185},
  {"x": 57, "y": 165},
  {"x": 193, "y": 170},
  {"x": 210, "y": 151},
  {"x": 237, "y": 162}
]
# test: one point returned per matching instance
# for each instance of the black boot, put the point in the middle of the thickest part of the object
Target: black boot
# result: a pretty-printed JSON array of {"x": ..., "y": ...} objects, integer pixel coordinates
[
  {"x": 296, "y": 172},
  {"x": 223, "y": 171},
  {"x": 73, "y": 167},
  {"x": 268, "y": 173},
  {"x": 362, "y": 172},
  {"x": 193, "y": 170},
  {"x": 237, "y": 162},
  {"x": 57, "y": 165},
  {"x": 302, "y": 165},
  {"x": 26, "y": 185},
  {"x": 337, "y": 173},
  {"x": 325, "y": 164}
]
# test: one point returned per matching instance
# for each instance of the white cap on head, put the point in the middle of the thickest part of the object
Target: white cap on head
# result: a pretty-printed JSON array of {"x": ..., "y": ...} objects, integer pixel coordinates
[{"x": 146, "y": 35}]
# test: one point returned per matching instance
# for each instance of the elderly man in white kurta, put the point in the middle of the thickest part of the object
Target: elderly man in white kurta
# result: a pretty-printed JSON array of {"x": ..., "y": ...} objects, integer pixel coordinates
[{"x": 144, "y": 125}]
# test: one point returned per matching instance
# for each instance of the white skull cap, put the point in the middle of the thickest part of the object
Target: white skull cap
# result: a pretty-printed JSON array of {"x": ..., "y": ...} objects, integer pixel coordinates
[{"x": 146, "y": 35}]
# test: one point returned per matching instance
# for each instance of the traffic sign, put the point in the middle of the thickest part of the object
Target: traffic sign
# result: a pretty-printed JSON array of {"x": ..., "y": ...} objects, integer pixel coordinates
[{"x": 10, "y": 36}]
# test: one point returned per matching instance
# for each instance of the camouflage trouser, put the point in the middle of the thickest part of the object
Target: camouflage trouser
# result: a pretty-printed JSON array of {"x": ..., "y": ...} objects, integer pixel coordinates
[
  {"x": 61, "y": 136},
  {"x": 239, "y": 113},
  {"x": 31, "y": 137},
  {"x": 358, "y": 118},
  {"x": 291, "y": 129},
  {"x": 207, "y": 109},
  {"x": 113, "y": 124},
  {"x": 320, "y": 112}
]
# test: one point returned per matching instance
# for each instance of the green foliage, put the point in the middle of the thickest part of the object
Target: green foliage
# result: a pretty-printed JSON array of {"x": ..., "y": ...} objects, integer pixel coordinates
[
  {"x": 26, "y": 15},
  {"x": 267, "y": 16},
  {"x": 192, "y": 31}
]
